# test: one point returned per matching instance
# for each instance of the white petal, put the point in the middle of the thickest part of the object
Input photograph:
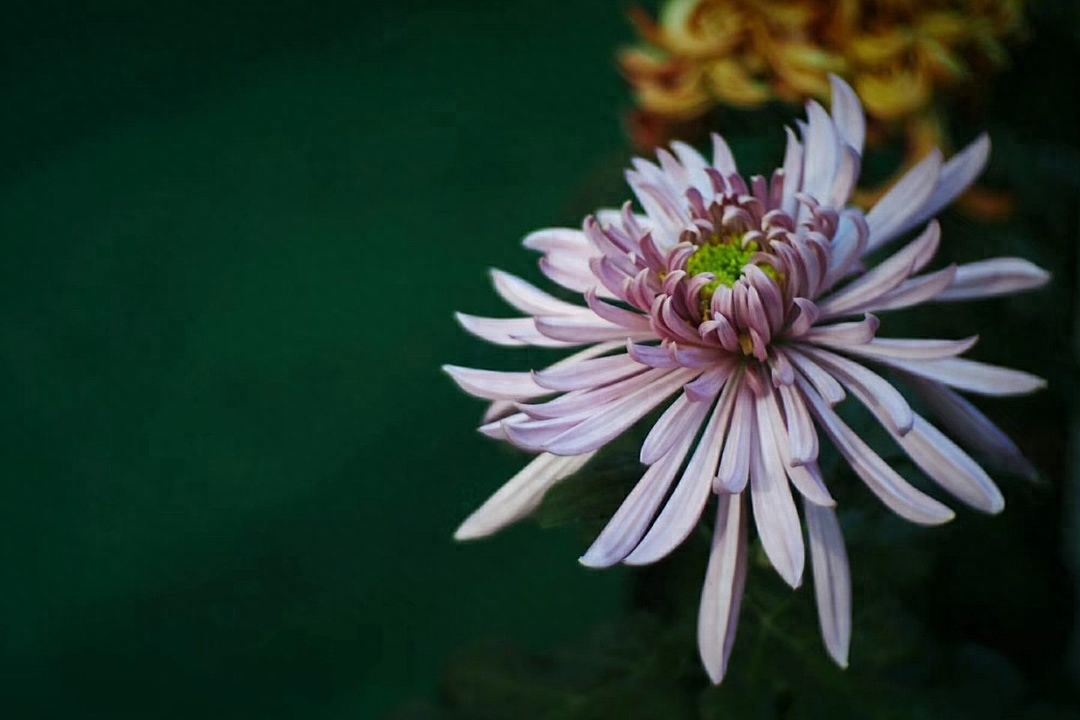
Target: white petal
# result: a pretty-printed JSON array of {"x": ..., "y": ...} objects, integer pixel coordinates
[
  {"x": 902, "y": 349},
  {"x": 520, "y": 495},
  {"x": 580, "y": 329},
  {"x": 832, "y": 580},
  {"x": 509, "y": 332},
  {"x": 722, "y": 593},
  {"x": 876, "y": 392}
]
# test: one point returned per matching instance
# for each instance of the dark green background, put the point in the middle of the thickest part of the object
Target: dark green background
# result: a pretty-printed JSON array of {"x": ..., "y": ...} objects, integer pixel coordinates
[{"x": 234, "y": 236}]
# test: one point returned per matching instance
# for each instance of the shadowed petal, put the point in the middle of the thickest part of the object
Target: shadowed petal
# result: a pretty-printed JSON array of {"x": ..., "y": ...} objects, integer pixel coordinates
[
  {"x": 722, "y": 593},
  {"x": 832, "y": 580}
]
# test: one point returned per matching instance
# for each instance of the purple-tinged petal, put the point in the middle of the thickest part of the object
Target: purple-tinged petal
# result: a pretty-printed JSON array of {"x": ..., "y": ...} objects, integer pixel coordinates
[
  {"x": 520, "y": 495},
  {"x": 509, "y": 332},
  {"x": 630, "y": 522},
  {"x": 894, "y": 212},
  {"x": 793, "y": 168},
  {"x": 683, "y": 509},
  {"x": 913, "y": 291},
  {"x": 494, "y": 384},
  {"x": 624, "y": 318},
  {"x": 802, "y": 436},
  {"x": 825, "y": 384},
  {"x": 971, "y": 376},
  {"x": 832, "y": 580},
  {"x": 989, "y": 278},
  {"x": 844, "y": 334},
  {"x": 822, "y": 152},
  {"x": 723, "y": 160},
  {"x": 588, "y": 373},
  {"x": 950, "y": 467},
  {"x": 897, "y": 494},
  {"x": 877, "y": 391},
  {"x": 884, "y": 348},
  {"x": 722, "y": 592},
  {"x": 734, "y": 469},
  {"x": 604, "y": 425},
  {"x": 709, "y": 383},
  {"x": 848, "y": 114},
  {"x": 973, "y": 429},
  {"x": 775, "y": 515},
  {"x": 956, "y": 176},
  {"x": 883, "y": 278},
  {"x": 581, "y": 329},
  {"x": 528, "y": 298}
]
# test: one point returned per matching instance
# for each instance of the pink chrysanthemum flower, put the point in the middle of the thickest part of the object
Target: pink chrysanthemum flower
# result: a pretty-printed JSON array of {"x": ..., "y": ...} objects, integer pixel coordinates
[{"x": 749, "y": 303}]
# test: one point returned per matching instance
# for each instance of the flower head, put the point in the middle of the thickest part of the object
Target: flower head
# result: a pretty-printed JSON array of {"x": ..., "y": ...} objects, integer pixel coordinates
[{"x": 747, "y": 306}]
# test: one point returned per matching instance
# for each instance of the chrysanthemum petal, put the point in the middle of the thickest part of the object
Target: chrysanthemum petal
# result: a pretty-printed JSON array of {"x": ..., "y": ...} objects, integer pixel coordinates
[
  {"x": 973, "y": 429},
  {"x": 885, "y": 277},
  {"x": 520, "y": 495},
  {"x": 588, "y": 373},
  {"x": 878, "y": 392},
  {"x": 630, "y": 522},
  {"x": 956, "y": 176},
  {"x": 802, "y": 436},
  {"x": 897, "y": 494},
  {"x": 722, "y": 593},
  {"x": 904, "y": 349},
  {"x": 509, "y": 332},
  {"x": 734, "y": 470},
  {"x": 684, "y": 507},
  {"x": 495, "y": 385},
  {"x": 847, "y": 113},
  {"x": 610, "y": 421},
  {"x": 775, "y": 515},
  {"x": 528, "y": 298},
  {"x": 972, "y": 376},
  {"x": 581, "y": 329},
  {"x": 832, "y": 580},
  {"x": 893, "y": 213},
  {"x": 950, "y": 467},
  {"x": 989, "y": 278}
]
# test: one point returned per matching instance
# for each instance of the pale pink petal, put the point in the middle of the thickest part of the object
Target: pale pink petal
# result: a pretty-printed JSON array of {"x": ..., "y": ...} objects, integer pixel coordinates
[
  {"x": 608, "y": 422},
  {"x": 734, "y": 470},
  {"x": 510, "y": 332},
  {"x": 989, "y": 278},
  {"x": 775, "y": 515},
  {"x": 971, "y": 376},
  {"x": 956, "y": 176},
  {"x": 901, "y": 349},
  {"x": 847, "y": 113},
  {"x": 832, "y": 580},
  {"x": 722, "y": 592},
  {"x": 580, "y": 329},
  {"x": 894, "y": 212},
  {"x": 878, "y": 392},
  {"x": 683, "y": 509},
  {"x": 973, "y": 429},
  {"x": 495, "y": 385},
  {"x": 897, "y": 494},
  {"x": 913, "y": 291},
  {"x": 588, "y": 373},
  {"x": 632, "y": 519},
  {"x": 520, "y": 495},
  {"x": 950, "y": 467},
  {"x": 528, "y": 298},
  {"x": 802, "y": 435}
]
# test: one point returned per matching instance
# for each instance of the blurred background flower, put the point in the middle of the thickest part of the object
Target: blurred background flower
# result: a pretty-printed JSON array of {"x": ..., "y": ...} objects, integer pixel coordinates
[{"x": 901, "y": 56}]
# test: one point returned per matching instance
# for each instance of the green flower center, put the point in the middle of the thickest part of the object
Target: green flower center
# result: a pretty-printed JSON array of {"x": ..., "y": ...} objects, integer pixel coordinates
[{"x": 726, "y": 261}]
